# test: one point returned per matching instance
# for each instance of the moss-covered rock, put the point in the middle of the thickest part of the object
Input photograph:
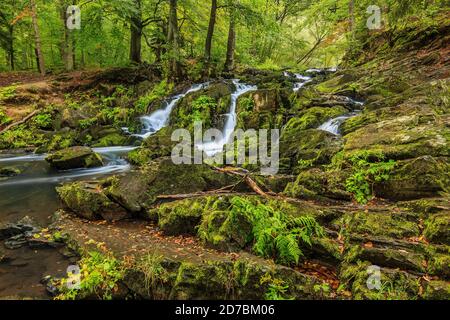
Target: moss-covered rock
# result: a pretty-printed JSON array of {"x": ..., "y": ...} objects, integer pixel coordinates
[
  {"x": 302, "y": 149},
  {"x": 180, "y": 217},
  {"x": 439, "y": 264},
  {"x": 156, "y": 146},
  {"x": 393, "y": 284},
  {"x": 138, "y": 190},
  {"x": 437, "y": 290},
  {"x": 375, "y": 223},
  {"x": 241, "y": 279},
  {"x": 89, "y": 202},
  {"x": 262, "y": 109},
  {"x": 400, "y": 137},
  {"x": 113, "y": 139},
  {"x": 75, "y": 157},
  {"x": 317, "y": 184},
  {"x": 417, "y": 178},
  {"x": 437, "y": 228},
  {"x": 9, "y": 171}
]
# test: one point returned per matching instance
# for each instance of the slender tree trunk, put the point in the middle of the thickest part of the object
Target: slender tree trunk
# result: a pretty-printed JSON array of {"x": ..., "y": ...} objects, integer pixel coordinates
[
  {"x": 173, "y": 39},
  {"x": 37, "y": 36},
  {"x": 11, "y": 47},
  {"x": 351, "y": 13},
  {"x": 209, "y": 35},
  {"x": 231, "y": 45},
  {"x": 67, "y": 45},
  {"x": 136, "y": 34}
]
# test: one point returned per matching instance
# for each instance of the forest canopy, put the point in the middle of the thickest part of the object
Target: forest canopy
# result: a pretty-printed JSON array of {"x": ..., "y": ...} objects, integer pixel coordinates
[{"x": 196, "y": 36}]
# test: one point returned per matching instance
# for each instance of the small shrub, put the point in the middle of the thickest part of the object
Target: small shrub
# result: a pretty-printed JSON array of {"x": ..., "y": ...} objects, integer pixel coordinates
[
  {"x": 100, "y": 274},
  {"x": 366, "y": 173},
  {"x": 43, "y": 121},
  {"x": 159, "y": 91}
]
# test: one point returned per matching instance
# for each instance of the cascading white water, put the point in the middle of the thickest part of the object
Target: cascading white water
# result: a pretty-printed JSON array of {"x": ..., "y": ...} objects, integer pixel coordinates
[
  {"x": 157, "y": 120},
  {"x": 303, "y": 81},
  {"x": 213, "y": 147},
  {"x": 334, "y": 124}
]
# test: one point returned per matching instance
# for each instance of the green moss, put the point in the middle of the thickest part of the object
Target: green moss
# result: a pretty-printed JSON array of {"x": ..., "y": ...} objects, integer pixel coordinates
[
  {"x": 436, "y": 228},
  {"x": 378, "y": 224},
  {"x": 437, "y": 290},
  {"x": 180, "y": 217},
  {"x": 312, "y": 118},
  {"x": 394, "y": 285},
  {"x": 4, "y": 119},
  {"x": 114, "y": 139},
  {"x": 439, "y": 265},
  {"x": 317, "y": 184},
  {"x": 20, "y": 137}
]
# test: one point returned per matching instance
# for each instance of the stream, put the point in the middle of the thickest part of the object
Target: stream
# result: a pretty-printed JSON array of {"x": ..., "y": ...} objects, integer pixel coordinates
[{"x": 32, "y": 193}]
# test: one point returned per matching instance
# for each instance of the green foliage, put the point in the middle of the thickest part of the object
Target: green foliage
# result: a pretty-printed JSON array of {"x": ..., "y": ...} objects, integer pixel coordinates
[
  {"x": 20, "y": 137},
  {"x": 366, "y": 173},
  {"x": 158, "y": 92},
  {"x": 276, "y": 289},
  {"x": 4, "y": 119},
  {"x": 201, "y": 109},
  {"x": 274, "y": 234},
  {"x": 43, "y": 121},
  {"x": 154, "y": 273},
  {"x": 8, "y": 92},
  {"x": 87, "y": 123},
  {"x": 100, "y": 274}
]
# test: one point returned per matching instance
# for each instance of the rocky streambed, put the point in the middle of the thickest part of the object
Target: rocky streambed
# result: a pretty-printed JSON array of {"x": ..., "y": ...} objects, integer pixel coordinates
[{"x": 360, "y": 188}]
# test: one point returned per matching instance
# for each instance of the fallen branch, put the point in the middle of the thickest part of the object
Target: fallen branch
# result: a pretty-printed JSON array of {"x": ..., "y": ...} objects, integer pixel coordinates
[
  {"x": 198, "y": 195},
  {"x": 28, "y": 117},
  {"x": 246, "y": 178}
]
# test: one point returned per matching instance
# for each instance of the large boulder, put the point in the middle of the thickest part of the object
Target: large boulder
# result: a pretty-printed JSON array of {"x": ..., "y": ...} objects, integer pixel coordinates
[
  {"x": 74, "y": 157},
  {"x": 139, "y": 190},
  {"x": 208, "y": 105},
  {"x": 88, "y": 201},
  {"x": 302, "y": 149},
  {"x": 261, "y": 109},
  {"x": 416, "y": 178}
]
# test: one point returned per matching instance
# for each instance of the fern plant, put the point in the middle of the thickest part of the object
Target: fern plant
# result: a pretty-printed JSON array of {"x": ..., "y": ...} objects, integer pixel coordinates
[
  {"x": 275, "y": 234},
  {"x": 366, "y": 174}
]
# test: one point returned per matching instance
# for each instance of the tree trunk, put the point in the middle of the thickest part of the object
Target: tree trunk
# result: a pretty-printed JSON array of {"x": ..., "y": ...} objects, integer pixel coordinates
[
  {"x": 209, "y": 35},
  {"x": 67, "y": 45},
  {"x": 136, "y": 34},
  {"x": 37, "y": 36},
  {"x": 173, "y": 40},
  {"x": 11, "y": 47},
  {"x": 231, "y": 46},
  {"x": 351, "y": 13}
]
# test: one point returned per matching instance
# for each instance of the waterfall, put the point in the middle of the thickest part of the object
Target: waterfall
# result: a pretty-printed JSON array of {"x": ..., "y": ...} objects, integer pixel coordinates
[
  {"x": 157, "y": 120},
  {"x": 213, "y": 147},
  {"x": 333, "y": 125},
  {"x": 302, "y": 80}
]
